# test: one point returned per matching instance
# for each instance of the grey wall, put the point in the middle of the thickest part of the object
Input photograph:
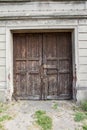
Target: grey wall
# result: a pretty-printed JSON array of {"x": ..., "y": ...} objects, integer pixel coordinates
[{"x": 43, "y": 15}]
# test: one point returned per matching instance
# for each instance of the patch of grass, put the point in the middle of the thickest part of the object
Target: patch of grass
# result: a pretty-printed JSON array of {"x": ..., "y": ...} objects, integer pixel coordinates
[
  {"x": 44, "y": 121},
  {"x": 84, "y": 106},
  {"x": 3, "y": 107},
  {"x": 76, "y": 108},
  {"x": 84, "y": 127},
  {"x": 39, "y": 113},
  {"x": 2, "y": 127},
  {"x": 55, "y": 106},
  {"x": 5, "y": 117},
  {"x": 79, "y": 116}
]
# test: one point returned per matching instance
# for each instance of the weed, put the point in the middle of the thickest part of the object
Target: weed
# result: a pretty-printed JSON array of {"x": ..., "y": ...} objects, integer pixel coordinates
[
  {"x": 84, "y": 106},
  {"x": 84, "y": 127},
  {"x": 4, "y": 118},
  {"x": 55, "y": 106},
  {"x": 3, "y": 107},
  {"x": 79, "y": 116},
  {"x": 1, "y": 127},
  {"x": 44, "y": 121},
  {"x": 39, "y": 113},
  {"x": 76, "y": 108}
]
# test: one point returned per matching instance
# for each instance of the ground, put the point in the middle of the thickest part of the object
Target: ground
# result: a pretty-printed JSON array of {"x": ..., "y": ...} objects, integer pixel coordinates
[{"x": 61, "y": 112}]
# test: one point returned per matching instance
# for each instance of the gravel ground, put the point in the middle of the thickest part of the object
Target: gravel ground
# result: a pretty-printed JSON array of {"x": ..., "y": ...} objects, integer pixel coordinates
[{"x": 63, "y": 116}]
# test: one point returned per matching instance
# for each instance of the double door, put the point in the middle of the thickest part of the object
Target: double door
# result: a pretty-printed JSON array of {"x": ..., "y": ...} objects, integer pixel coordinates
[{"x": 42, "y": 65}]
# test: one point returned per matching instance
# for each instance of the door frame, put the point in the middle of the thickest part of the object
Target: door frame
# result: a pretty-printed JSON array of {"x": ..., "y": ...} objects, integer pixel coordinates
[{"x": 9, "y": 53}]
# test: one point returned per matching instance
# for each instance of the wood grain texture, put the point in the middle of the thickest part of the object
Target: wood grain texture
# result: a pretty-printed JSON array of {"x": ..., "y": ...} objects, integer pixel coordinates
[{"x": 43, "y": 66}]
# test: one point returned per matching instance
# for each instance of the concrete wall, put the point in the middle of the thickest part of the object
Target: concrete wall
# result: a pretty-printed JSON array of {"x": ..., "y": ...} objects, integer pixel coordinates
[
  {"x": 2, "y": 61},
  {"x": 44, "y": 15},
  {"x": 82, "y": 54}
]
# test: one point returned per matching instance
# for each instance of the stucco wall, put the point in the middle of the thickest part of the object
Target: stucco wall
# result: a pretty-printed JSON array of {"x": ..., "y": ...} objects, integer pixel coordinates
[{"x": 44, "y": 15}]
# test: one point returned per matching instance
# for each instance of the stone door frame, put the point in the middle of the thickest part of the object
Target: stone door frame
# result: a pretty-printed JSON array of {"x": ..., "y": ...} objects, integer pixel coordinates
[{"x": 9, "y": 52}]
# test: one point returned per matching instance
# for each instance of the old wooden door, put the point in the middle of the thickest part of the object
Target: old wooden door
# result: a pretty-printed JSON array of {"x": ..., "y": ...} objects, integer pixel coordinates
[
  {"x": 57, "y": 62},
  {"x": 43, "y": 66},
  {"x": 27, "y": 62}
]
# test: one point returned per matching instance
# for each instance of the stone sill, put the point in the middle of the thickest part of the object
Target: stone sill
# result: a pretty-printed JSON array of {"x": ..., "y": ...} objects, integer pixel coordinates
[
  {"x": 43, "y": 17},
  {"x": 38, "y": 0}
]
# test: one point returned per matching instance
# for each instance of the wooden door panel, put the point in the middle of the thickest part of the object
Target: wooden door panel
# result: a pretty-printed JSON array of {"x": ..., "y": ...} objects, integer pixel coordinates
[
  {"x": 64, "y": 84},
  {"x": 20, "y": 77},
  {"x": 17, "y": 85},
  {"x": 33, "y": 86},
  {"x": 27, "y": 62},
  {"x": 34, "y": 54},
  {"x": 50, "y": 64},
  {"x": 49, "y": 45},
  {"x": 65, "y": 64},
  {"x": 52, "y": 81},
  {"x": 57, "y": 57},
  {"x": 23, "y": 89},
  {"x": 33, "y": 66}
]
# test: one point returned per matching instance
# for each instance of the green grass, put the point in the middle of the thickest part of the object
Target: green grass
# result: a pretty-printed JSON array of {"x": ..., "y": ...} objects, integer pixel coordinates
[
  {"x": 84, "y": 127},
  {"x": 79, "y": 116},
  {"x": 55, "y": 106},
  {"x": 84, "y": 106},
  {"x": 44, "y": 121},
  {"x": 39, "y": 113},
  {"x": 5, "y": 117}
]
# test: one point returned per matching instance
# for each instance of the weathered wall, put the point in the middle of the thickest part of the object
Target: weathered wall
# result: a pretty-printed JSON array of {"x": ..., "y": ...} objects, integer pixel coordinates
[
  {"x": 41, "y": 15},
  {"x": 43, "y": 9},
  {"x": 82, "y": 54},
  {"x": 2, "y": 60}
]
